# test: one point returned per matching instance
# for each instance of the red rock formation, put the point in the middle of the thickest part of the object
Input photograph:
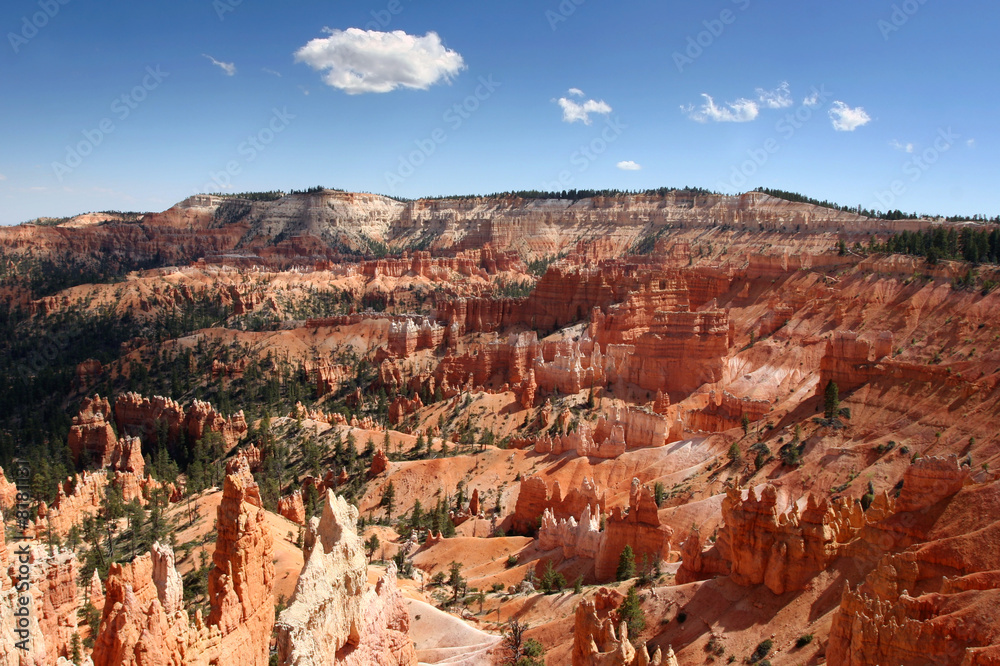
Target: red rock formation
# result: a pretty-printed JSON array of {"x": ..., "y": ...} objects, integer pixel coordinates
[
  {"x": 930, "y": 480},
  {"x": 784, "y": 550},
  {"x": 22, "y": 641},
  {"x": 143, "y": 417},
  {"x": 241, "y": 583},
  {"x": 595, "y": 642},
  {"x": 77, "y": 498},
  {"x": 410, "y": 335},
  {"x": 937, "y": 601},
  {"x": 131, "y": 608},
  {"x": 533, "y": 499},
  {"x": 244, "y": 299},
  {"x": 95, "y": 592},
  {"x": 127, "y": 457},
  {"x": 91, "y": 433},
  {"x": 330, "y": 377},
  {"x": 640, "y": 528},
  {"x": 669, "y": 352},
  {"x": 474, "y": 503},
  {"x": 402, "y": 407},
  {"x": 8, "y": 492},
  {"x": 143, "y": 622},
  {"x": 718, "y": 411},
  {"x": 55, "y": 577},
  {"x": 202, "y": 418},
  {"x": 292, "y": 507},
  {"x": 380, "y": 463},
  {"x": 850, "y": 361}
]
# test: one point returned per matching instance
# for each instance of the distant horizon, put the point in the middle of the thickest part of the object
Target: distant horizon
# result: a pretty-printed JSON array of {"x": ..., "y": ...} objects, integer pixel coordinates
[
  {"x": 875, "y": 103},
  {"x": 922, "y": 215}
]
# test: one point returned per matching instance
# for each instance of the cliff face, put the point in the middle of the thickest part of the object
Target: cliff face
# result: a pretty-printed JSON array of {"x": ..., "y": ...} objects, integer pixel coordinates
[
  {"x": 639, "y": 528},
  {"x": 534, "y": 498},
  {"x": 91, "y": 434},
  {"x": 144, "y": 622},
  {"x": 142, "y": 417},
  {"x": 309, "y": 226},
  {"x": 940, "y": 596},
  {"x": 241, "y": 583},
  {"x": 334, "y": 618},
  {"x": 784, "y": 550}
]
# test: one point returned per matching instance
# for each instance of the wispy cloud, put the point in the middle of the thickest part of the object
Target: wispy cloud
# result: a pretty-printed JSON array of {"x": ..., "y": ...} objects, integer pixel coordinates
[
  {"x": 271, "y": 71},
  {"x": 629, "y": 165},
  {"x": 812, "y": 100},
  {"x": 846, "y": 119},
  {"x": 779, "y": 98},
  {"x": 367, "y": 61},
  {"x": 741, "y": 111},
  {"x": 228, "y": 67},
  {"x": 971, "y": 143},
  {"x": 575, "y": 111},
  {"x": 3, "y": 177},
  {"x": 902, "y": 147}
]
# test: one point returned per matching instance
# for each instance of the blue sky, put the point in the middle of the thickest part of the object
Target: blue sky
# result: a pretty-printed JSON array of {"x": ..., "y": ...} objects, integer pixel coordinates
[{"x": 137, "y": 105}]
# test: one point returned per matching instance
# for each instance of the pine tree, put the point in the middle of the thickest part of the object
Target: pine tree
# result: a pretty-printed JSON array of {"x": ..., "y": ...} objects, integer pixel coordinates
[
  {"x": 831, "y": 401},
  {"x": 626, "y": 564},
  {"x": 388, "y": 500},
  {"x": 631, "y": 613}
]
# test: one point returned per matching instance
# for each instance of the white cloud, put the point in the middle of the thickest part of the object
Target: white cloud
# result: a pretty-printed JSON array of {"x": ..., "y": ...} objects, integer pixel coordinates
[
  {"x": 574, "y": 111},
  {"x": 779, "y": 98},
  {"x": 846, "y": 119},
  {"x": 904, "y": 147},
  {"x": 971, "y": 143},
  {"x": 812, "y": 100},
  {"x": 367, "y": 61},
  {"x": 271, "y": 71},
  {"x": 629, "y": 165},
  {"x": 228, "y": 67},
  {"x": 741, "y": 111}
]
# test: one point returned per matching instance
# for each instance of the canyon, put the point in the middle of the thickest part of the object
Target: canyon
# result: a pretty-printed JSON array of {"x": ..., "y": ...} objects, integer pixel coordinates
[{"x": 340, "y": 428}]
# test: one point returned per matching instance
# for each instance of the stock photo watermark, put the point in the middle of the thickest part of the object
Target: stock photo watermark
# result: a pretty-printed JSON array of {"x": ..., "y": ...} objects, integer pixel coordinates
[
  {"x": 121, "y": 108},
  {"x": 223, "y": 7},
  {"x": 31, "y": 25},
  {"x": 250, "y": 149},
  {"x": 914, "y": 169},
  {"x": 714, "y": 28},
  {"x": 900, "y": 16},
  {"x": 585, "y": 156},
  {"x": 818, "y": 99},
  {"x": 381, "y": 18},
  {"x": 21, "y": 556},
  {"x": 455, "y": 117}
]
